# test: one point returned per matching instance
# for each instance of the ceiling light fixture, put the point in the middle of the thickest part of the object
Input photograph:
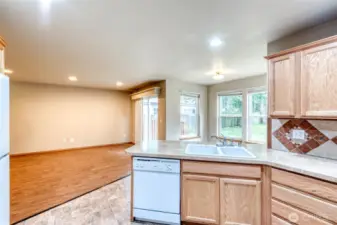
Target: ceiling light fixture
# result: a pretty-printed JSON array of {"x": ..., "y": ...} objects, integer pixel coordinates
[
  {"x": 118, "y": 83},
  {"x": 218, "y": 76},
  {"x": 215, "y": 42},
  {"x": 72, "y": 78},
  {"x": 8, "y": 71}
]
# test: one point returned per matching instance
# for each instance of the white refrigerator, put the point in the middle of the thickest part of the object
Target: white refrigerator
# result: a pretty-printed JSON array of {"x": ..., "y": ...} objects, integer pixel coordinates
[{"x": 4, "y": 150}]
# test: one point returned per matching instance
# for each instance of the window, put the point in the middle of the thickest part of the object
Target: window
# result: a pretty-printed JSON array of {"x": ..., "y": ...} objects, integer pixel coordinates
[
  {"x": 243, "y": 115},
  {"x": 230, "y": 115},
  {"x": 257, "y": 116},
  {"x": 189, "y": 115}
]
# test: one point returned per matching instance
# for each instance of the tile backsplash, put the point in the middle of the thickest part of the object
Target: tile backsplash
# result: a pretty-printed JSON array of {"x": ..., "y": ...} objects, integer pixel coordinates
[{"x": 320, "y": 137}]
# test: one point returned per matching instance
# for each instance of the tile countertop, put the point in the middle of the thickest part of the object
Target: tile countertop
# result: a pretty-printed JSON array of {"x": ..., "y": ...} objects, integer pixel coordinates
[{"x": 324, "y": 169}]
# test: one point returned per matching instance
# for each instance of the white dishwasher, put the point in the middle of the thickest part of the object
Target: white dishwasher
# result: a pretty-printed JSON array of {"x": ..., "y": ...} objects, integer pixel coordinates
[{"x": 156, "y": 190}]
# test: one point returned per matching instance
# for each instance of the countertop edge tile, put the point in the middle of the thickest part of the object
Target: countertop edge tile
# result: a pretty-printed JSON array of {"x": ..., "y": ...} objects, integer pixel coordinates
[{"x": 324, "y": 169}]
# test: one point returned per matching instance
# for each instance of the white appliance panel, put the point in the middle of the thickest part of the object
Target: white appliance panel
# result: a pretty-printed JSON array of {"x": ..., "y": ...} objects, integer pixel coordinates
[
  {"x": 4, "y": 115},
  {"x": 156, "y": 217},
  {"x": 157, "y": 191},
  {"x": 4, "y": 190}
]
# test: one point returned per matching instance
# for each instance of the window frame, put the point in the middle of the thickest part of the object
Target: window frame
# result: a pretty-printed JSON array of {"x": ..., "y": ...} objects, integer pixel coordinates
[
  {"x": 255, "y": 91},
  {"x": 197, "y": 96},
  {"x": 245, "y": 114},
  {"x": 230, "y": 93}
]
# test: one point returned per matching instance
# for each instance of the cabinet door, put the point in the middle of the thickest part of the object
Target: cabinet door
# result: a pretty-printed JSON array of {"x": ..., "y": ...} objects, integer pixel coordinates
[
  {"x": 200, "y": 199},
  {"x": 319, "y": 81},
  {"x": 278, "y": 221},
  {"x": 240, "y": 202},
  {"x": 2, "y": 59},
  {"x": 282, "y": 86}
]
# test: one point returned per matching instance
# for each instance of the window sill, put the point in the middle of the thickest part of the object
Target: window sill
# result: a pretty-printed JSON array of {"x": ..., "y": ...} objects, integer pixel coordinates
[
  {"x": 255, "y": 142},
  {"x": 189, "y": 138}
]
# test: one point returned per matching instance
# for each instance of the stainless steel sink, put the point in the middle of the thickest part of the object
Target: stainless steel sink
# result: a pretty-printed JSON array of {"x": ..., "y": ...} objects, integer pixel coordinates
[
  {"x": 199, "y": 149},
  {"x": 237, "y": 152},
  {"x": 226, "y": 151}
]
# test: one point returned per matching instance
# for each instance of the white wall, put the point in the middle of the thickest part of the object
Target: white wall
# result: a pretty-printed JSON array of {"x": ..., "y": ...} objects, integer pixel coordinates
[
  {"x": 47, "y": 117},
  {"x": 251, "y": 82},
  {"x": 173, "y": 91}
]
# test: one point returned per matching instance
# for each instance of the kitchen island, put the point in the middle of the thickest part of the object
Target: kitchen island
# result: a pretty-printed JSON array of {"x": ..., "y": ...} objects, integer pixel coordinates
[{"x": 273, "y": 187}]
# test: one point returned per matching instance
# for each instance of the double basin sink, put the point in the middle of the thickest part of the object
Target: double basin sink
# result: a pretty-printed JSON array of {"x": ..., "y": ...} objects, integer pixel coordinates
[{"x": 211, "y": 150}]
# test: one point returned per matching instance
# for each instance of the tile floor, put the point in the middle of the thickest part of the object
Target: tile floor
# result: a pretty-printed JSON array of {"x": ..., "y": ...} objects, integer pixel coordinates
[{"x": 109, "y": 205}]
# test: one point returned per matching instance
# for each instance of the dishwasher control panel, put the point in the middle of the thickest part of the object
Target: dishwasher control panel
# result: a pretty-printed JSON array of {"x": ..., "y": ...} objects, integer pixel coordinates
[{"x": 156, "y": 165}]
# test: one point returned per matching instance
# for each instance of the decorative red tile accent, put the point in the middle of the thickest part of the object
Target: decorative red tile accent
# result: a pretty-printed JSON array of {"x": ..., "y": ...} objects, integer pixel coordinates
[
  {"x": 297, "y": 122},
  {"x": 282, "y": 130},
  {"x": 290, "y": 146},
  {"x": 288, "y": 126},
  {"x": 304, "y": 148},
  {"x": 283, "y": 140},
  {"x": 313, "y": 132},
  {"x": 334, "y": 140},
  {"x": 315, "y": 139},
  {"x": 278, "y": 134},
  {"x": 296, "y": 150},
  {"x": 321, "y": 138},
  {"x": 312, "y": 144},
  {"x": 305, "y": 125}
]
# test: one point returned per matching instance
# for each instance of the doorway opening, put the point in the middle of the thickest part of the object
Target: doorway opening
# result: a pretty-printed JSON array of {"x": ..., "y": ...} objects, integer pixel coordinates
[
  {"x": 150, "y": 119},
  {"x": 146, "y": 119}
]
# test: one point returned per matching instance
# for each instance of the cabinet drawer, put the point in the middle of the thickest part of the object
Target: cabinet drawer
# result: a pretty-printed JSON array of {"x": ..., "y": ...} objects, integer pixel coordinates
[
  {"x": 306, "y": 202},
  {"x": 306, "y": 184},
  {"x": 294, "y": 215},
  {"x": 222, "y": 169},
  {"x": 278, "y": 221}
]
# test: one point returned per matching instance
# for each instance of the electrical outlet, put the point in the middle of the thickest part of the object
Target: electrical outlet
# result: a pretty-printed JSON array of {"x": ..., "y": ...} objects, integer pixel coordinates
[{"x": 298, "y": 134}]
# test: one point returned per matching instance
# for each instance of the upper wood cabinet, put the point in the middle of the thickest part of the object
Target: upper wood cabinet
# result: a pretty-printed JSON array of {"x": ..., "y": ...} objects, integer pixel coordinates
[
  {"x": 200, "y": 199},
  {"x": 2, "y": 55},
  {"x": 319, "y": 81},
  {"x": 282, "y": 86},
  {"x": 240, "y": 202},
  {"x": 303, "y": 81}
]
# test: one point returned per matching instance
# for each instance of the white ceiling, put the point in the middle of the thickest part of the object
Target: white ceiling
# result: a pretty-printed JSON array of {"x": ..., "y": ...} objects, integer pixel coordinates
[{"x": 133, "y": 41}]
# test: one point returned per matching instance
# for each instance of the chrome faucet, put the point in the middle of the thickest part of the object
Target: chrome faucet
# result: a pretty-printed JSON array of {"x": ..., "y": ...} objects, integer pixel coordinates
[
  {"x": 226, "y": 141},
  {"x": 221, "y": 139}
]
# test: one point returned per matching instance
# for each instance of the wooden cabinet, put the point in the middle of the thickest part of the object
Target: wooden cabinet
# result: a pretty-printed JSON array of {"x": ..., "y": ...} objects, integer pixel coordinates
[
  {"x": 217, "y": 193},
  {"x": 2, "y": 55},
  {"x": 319, "y": 81},
  {"x": 282, "y": 86},
  {"x": 200, "y": 199},
  {"x": 306, "y": 201},
  {"x": 278, "y": 221},
  {"x": 240, "y": 201},
  {"x": 303, "y": 81}
]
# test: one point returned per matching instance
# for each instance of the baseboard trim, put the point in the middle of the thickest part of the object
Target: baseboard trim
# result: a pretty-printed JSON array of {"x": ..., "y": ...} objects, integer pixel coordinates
[{"x": 70, "y": 149}]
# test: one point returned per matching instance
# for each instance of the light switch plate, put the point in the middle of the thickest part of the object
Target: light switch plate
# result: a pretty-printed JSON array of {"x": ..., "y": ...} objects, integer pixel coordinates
[{"x": 298, "y": 134}]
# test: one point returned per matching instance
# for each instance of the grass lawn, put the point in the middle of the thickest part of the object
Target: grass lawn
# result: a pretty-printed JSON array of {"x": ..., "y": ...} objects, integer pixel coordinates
[{"x": 259, "y": 132}]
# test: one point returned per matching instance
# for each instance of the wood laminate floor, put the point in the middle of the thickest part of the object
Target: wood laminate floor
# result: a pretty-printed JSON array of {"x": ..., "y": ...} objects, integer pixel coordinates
[{"x": 42, "y": 181}]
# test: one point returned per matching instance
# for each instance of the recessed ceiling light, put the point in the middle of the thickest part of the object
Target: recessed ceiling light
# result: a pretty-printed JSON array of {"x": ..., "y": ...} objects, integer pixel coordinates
[
  {"x": 119, "y": 83},
  {"x": 8, "y": 71},
  {"x": 72, "y": 78},
  {"x": 215, "y": 42}
]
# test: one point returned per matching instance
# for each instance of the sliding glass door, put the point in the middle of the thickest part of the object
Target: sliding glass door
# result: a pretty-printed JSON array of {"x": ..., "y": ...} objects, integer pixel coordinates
[{"x": 149, "y": 118}]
